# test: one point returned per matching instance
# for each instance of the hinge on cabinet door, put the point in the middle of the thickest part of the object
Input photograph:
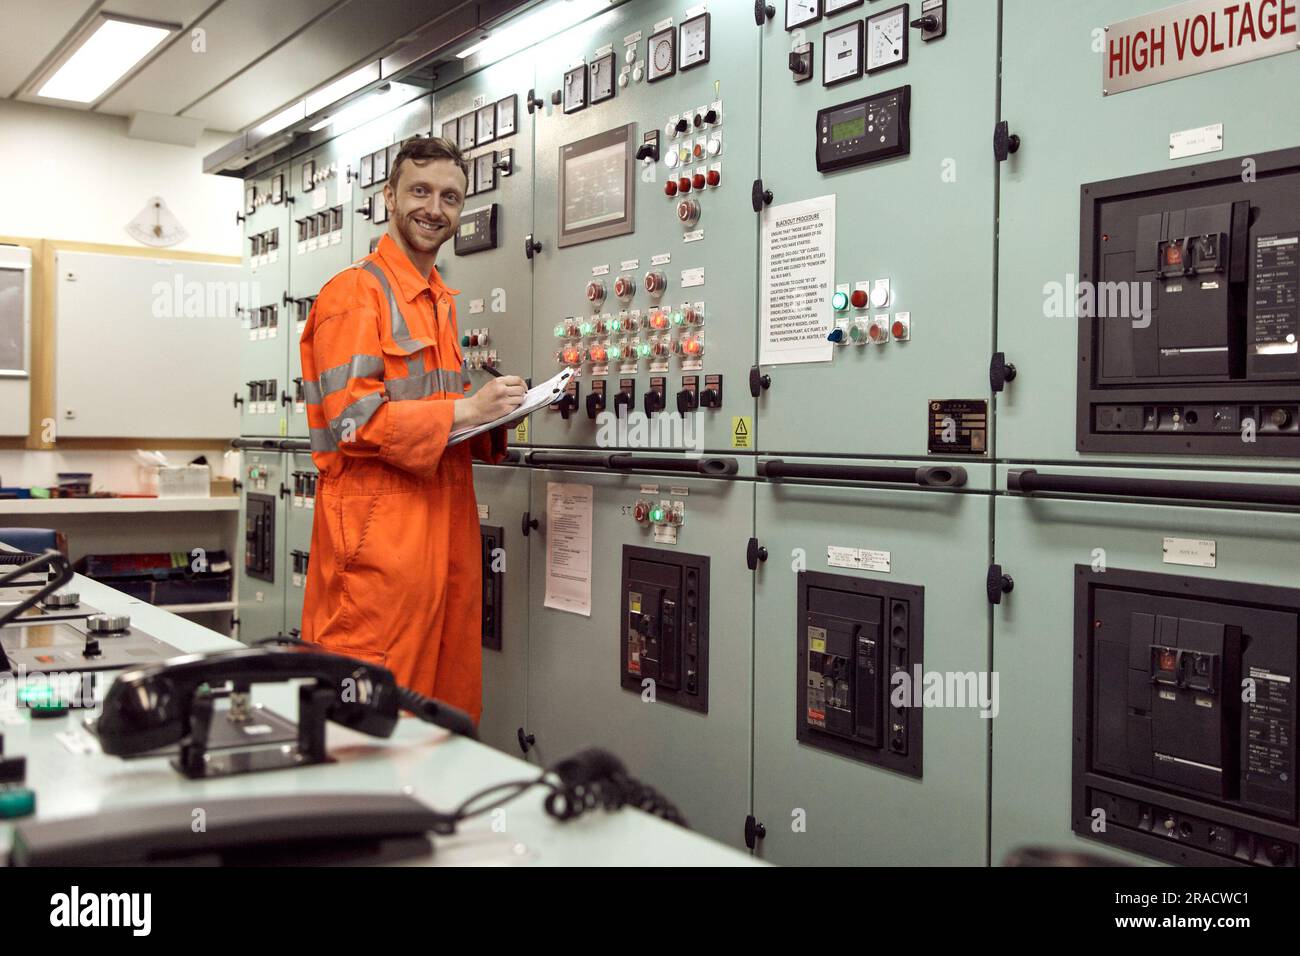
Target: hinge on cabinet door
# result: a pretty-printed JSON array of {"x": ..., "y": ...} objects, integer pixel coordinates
[
  {"x": 754, "y": 831},
  {"x": 754, "y": 553},
  {"x": 1000, "y": 371},
  {"x": 997, "y": 584}
]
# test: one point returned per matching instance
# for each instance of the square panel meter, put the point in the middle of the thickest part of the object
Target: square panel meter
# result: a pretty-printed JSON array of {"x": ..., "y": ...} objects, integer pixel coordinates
[
  {"x": 449, "y": 130},
  {"x": 602, "y": 78},
  {"x": 663, "y": 55},
  {"x": 694, "y": 44},
  {"x": 487, "y": 123},
  {"x": 506, "y": 115},
  {"x": 799, "y": 13},
  {"x": 575, "y": 89},
  {"x": 466, "y": 125},
  {"x": 842, "y": 54},
  {"x": 887, "y": 39}
]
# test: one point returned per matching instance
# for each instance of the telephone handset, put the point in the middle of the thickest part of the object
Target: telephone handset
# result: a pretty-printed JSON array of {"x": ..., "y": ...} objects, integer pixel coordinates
[{"x": 173, "y": 702}]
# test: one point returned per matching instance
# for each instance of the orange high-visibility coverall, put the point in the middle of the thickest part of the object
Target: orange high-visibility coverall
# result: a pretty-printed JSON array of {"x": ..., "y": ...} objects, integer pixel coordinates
[{"x": 395, "y": 575}]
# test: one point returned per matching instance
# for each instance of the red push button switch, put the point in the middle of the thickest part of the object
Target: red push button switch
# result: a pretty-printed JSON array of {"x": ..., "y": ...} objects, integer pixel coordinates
[
  {"x": 859, "y": 298},
  {"x": 714, "y": 177},
  {"x": 684, "y": 184},
  {"x": 670, "y": 188},
  {"x": 899, "y": 330},
  {"x": 874, "y": 332},
  {"x": 698, "y": 181}
]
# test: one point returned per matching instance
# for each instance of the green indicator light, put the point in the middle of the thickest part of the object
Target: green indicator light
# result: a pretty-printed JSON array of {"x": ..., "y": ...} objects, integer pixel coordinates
[
  {"x": 840, "y": 301},
  {"x": 464, "y": 340},
  {"x": 616, "y": 325},
  {"x": 677, "y": 318},
  {"x": 586, "y": 328},
  {"x": 656, "y": 514},
  {"x": 643, "y": 349},
  {"x": 857, "y": 332},
  {"x": 559, "y": 331},
  {"x": 16, "y": 802}
]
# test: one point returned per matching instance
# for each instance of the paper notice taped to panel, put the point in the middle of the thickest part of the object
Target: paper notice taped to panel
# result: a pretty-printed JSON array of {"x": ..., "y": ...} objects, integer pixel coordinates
[
  {"x": 568, "y": 547},
  {"x": 798, "y": 263}
]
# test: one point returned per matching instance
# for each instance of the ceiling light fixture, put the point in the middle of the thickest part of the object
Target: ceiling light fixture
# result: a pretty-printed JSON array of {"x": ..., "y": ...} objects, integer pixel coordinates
[
  {"x": 535, "y": 26},
  {"x": 108, "y": 49}
]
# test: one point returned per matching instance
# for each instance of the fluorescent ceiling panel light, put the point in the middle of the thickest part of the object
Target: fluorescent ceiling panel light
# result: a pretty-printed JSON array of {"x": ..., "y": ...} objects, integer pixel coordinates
[
  {"x": 284, "y": 118},
  {"x": 104, "y": 57},
  {"x": 538, "y": 25},
  {"x": 368, "y": 107},
  {"x": 342, "y": 87}
]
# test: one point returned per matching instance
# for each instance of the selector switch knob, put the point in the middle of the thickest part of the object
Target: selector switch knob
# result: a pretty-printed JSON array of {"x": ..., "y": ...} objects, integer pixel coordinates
[
  {"x": 682, "y": 125},
  {"x": 107, "y": 623}
]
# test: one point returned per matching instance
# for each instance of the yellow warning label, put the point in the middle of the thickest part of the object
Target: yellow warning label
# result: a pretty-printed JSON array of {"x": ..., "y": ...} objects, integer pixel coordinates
[
  {"x": 742, "y": 432},
  {"x": 284, "y": 427},
  {"x": 521, "y": 430},
  {"x": 818, "y": 645}
]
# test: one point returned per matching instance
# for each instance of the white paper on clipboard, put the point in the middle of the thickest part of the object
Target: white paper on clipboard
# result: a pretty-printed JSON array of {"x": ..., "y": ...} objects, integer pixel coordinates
[{"x": 539, "y": 396}]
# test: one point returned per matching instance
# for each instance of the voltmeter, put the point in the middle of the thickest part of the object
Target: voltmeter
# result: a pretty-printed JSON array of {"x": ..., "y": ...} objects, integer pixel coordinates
[
  {"x": 450, "y": 131},
  {"x": 842, "y": 54},
  {"x": 506, "y": 115},
  {"x": 887, "y": 38},
  {"x": 663, "y": 54},
  {"x": 864, "y": 131},
  {"x": 835, "y": 6},
  {"x": 466, "y": 134},
  {"x": 487, "y": 124},
  {"x": 801, "y": 12},
  {"x": 602, "y": 78},
  {"x": 694, "y": 45},
  {"x": 575, "y": 89}
]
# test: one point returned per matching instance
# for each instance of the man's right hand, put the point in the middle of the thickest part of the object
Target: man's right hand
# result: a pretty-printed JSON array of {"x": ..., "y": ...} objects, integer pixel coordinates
[{"x": 495, "y": 398}]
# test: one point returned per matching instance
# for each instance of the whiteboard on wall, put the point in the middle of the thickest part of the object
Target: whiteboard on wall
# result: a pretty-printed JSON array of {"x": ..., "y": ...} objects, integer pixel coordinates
[
  {"x": 146, "y": 348},
  {"x": 15, "y": 339}
]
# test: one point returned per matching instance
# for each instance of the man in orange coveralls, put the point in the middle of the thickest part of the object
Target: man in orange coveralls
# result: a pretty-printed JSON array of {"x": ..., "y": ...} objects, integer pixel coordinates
[{"x": 395, "y": 570}]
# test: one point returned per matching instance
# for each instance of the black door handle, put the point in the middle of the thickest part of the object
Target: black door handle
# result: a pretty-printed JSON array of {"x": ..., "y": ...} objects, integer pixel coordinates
[{"x": 1027, "y": 481}]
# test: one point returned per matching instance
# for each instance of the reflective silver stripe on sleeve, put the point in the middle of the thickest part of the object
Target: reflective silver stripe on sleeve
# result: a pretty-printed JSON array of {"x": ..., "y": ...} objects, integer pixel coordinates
[
  {"x": 464, "y": 376},
  {"x": 356, "y": 414},
  {"x": 334, "y": 379},
  {"x": 311, "y": 392},
  {"x": 422, "y": 386},
  {"x": 323, "y": 440},
  {"x": 401, "y": 334}
]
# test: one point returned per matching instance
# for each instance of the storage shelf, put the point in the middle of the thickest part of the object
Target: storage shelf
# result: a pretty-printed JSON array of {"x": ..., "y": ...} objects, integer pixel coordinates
[{"x": 54, "y": 506}]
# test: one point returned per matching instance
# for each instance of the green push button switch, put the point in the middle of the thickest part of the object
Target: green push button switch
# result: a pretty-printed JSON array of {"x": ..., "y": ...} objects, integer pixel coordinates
[
  {"x": 840, "y": 301},
  {"x": 16, "y": 802}
]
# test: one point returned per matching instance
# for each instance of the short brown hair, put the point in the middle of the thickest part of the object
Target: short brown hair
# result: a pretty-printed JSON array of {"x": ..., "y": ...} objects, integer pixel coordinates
[{"x": 423, "y": 149}]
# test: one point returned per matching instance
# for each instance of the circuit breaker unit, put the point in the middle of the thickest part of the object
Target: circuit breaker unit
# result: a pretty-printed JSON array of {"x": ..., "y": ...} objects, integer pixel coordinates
[
  {"x": 1189, "y": 299},
  {"x": 665, "y": 617},
  {"x": 854, "y": 636},
  {"x": 1185, "y": 717},
  {"x": 259, "y": 537},
  {"x": 493, "y": 539}
]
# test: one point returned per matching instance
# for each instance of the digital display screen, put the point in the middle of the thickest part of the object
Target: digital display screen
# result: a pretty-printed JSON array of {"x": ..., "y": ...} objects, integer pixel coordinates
[
  {"x": 595, "y": 187},
  {"x": 848, "y": 129},
  {"x": 467, "y": 229}
]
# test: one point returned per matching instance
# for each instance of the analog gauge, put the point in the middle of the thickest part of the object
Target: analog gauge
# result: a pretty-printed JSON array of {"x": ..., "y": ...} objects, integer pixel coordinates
[
  {"x": 367, "y": 171},
  {"x": 835, "y": 6},
  {"x": 663, "y": 54},
  {"x": 842, "y": 54},
  {"x": 801, "y": 12},
  {"x": 392, "y": 154},
  {"x": 887, "y": 39},
  {"x": 602, "y": 78},
  {"x": 694, "y": 45},
  {"x": 506, "y": 115},
  {"x": 449, "y": 131},
  {"x": 250, "y": 200},
  {"x": 277, "y": 188},
  {"x": 309, "y": 175},
  {"x": 466, "y": 124},
  {"x": 487, "y": 123},
  {"x": 381, "y": 165},
  {"x": 575, "y": 89},
  {"x": 485, "y": 172}
]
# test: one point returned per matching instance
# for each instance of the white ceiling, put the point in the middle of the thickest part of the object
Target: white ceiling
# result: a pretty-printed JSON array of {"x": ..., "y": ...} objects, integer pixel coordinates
[{"x": 260, "y": 54}]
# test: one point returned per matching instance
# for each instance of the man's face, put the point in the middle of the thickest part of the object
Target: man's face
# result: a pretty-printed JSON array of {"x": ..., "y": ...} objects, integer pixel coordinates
[{"x": 426, "y": 204}]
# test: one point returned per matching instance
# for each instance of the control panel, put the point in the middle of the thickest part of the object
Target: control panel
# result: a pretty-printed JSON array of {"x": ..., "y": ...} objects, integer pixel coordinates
[
  {"x": 489, "y": 258},
  {"x": 648, "y": 269},
  {"x": 1185, "y": 716},
  {"x": 1188, "y": 289},
  {"x": 259, "y": 537},
  {"x": 268, "y": 233},
  {"x": 665, "y": 626},
  {"x": 860, "y": 647},
  {"x": 865, "y": 130}
]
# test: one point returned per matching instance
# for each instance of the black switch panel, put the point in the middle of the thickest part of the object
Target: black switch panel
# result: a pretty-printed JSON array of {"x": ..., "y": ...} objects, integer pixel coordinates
[
  {"x": 1189, "y": 305},
  {"x": 665, "y": 626},
  {"x": 1185, "y": 716},
  {"x": 259, "y": 537},
  {"x": 853, "y": 636},
  {"x": 493, "y": 539}
]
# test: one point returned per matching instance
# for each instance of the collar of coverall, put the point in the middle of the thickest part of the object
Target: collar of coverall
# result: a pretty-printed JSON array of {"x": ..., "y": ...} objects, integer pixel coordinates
[{"x": 408, "y": 277}]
